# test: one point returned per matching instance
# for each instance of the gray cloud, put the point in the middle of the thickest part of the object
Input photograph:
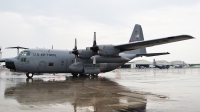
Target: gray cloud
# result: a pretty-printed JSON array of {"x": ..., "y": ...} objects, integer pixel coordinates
[{"x": 44, "y": 23}]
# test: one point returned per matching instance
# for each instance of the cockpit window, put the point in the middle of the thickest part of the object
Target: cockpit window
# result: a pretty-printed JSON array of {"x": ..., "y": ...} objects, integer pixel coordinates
[{"x": 25, "y": 53}]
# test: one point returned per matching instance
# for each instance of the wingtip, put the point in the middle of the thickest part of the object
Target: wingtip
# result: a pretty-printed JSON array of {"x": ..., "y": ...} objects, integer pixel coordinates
[{"x": 189, "y": 36}]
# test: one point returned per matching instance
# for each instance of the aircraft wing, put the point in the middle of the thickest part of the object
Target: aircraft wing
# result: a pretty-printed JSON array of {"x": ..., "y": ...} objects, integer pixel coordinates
[
  {"x": 151, "y": 54},
  {"x": 149, "y": 43}
]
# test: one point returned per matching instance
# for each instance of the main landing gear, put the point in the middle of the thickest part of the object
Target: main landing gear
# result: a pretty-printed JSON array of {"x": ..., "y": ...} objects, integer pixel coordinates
[
  {"x": 29, "y": 75},
  {"x": 84, "y": 75},
  {"x": 75, "y": 74}
]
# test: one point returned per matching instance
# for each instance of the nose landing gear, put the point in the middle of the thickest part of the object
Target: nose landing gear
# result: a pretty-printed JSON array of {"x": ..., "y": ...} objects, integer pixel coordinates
[{"x": 29, "y": 75}]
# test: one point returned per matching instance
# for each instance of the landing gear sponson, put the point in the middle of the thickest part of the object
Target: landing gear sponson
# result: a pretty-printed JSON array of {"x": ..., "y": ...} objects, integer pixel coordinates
[
  {"x": 87, "y": 75},
  {"x": 30, "y": 75}
]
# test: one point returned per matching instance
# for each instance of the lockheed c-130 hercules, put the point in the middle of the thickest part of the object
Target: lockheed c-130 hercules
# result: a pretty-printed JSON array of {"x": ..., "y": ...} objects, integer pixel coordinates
[{"x": 90, "y": 61}]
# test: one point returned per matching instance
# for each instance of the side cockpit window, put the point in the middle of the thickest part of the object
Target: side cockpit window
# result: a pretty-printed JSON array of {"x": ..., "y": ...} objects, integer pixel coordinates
[{"x": 25, "y": 53}]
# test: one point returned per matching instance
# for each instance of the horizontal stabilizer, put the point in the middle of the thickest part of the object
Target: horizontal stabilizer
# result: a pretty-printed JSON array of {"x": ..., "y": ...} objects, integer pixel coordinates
[
  {"x": 149, "y": 43},
  {"x": 151, "y": 54}
]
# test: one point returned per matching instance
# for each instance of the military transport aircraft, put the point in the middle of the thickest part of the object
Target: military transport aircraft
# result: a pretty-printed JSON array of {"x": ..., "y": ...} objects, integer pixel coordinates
[
  {"x": 160, "y": 66},
  {"x": 90, "y": 61}
]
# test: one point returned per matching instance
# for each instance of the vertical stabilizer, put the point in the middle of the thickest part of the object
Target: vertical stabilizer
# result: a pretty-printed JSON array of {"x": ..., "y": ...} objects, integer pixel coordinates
[
  {"x": 137, "y": 35},
  {"x": 154, "y": 62}
]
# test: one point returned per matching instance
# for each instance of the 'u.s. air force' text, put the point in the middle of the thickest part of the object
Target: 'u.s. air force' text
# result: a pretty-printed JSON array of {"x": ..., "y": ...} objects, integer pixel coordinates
[{"x": 43, "y": 54}]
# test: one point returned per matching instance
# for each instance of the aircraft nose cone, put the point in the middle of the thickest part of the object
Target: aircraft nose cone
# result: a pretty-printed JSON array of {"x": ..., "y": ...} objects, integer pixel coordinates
[{"x": 10, "y": 64}]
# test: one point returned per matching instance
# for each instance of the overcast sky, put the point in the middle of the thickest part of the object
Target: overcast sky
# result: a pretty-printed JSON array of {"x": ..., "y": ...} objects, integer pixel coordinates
[{"x": 43, "y": 23}]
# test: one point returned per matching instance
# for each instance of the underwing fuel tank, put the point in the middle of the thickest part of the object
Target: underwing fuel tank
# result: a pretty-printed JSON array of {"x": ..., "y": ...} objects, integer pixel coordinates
[{"x": 110, "y": 59}]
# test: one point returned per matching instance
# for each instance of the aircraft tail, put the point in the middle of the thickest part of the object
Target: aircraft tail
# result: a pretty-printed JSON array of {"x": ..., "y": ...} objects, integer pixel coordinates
[
  {"x": 154, "y": 62},
  {"x": 137, "y": 35}
]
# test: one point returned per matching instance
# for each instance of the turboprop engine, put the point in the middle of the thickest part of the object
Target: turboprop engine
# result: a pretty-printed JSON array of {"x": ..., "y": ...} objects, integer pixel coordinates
[
  {"x": 104, "y": 50},
  {"x": 85, "y": 54},
  {"x": 108, "y": 50}
]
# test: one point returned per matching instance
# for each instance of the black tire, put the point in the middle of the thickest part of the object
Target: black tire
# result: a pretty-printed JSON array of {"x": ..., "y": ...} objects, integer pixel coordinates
[
  {"x": 96, "y": 75},
  {"x": 74, "y": 74},
  {"x": 81, "y": 75},
  {"x": 29, "y": 75},
  {"x": 87, "y": 75}
]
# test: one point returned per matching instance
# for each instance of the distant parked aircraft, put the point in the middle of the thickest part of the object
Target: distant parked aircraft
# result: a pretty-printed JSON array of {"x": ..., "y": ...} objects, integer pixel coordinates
[
  {"x": 161, "y": 66},
  {"x": 179, "y": 65}
]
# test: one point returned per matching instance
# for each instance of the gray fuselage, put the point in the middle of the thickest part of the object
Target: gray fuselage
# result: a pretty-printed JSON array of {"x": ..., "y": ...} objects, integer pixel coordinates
[{"x": 55, "y": 61}]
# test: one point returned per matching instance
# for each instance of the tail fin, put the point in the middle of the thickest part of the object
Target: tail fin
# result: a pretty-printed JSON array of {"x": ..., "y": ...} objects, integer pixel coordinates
[
  {"x": 154, "y": 62},
  {"x": 137, "y": 35}
]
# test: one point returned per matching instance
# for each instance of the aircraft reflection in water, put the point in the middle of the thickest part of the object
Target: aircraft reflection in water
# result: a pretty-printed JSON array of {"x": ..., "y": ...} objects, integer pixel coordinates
[{"x": 100, "y": 94}]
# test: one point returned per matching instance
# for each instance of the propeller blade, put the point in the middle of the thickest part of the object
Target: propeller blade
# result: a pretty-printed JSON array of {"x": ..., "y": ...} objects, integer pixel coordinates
[
  {"x": 75, "y": 47},
  {"x": 75, "y": 62},
  {"x": 52, "y": 46},
  {"x": 75, "y": 52},
  {"x": 16, "y": 47},
  {"x": 94, "y": 60},
  {"x": 94, "y": 42},
  {"x": 94, "y": 48}
]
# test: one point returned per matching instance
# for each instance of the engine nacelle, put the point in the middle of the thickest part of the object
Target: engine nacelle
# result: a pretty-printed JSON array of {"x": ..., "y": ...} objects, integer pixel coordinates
[
  {"x": 85, "y": 54},
  {"x": 108, "y": 50}
]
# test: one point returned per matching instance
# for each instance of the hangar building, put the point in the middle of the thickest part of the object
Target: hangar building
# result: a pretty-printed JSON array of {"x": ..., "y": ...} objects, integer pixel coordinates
[{"x": 147, "y": 64}]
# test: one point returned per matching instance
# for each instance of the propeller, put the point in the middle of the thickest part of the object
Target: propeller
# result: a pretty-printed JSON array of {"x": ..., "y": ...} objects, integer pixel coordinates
[
  {"x": 94, "y": 48},
  {"x": 75, "y": 52},
  {"x": 18, "y": 47}
]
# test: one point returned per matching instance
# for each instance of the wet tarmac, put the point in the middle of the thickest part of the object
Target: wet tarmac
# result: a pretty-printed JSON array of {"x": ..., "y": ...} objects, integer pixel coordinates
[{"x": 133, "y": 90}]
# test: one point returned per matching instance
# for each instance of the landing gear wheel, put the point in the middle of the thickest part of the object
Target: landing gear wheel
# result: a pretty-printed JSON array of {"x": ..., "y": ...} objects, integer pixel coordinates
[
  {"x": 96, "y": 75},
  {"x": 74, "y": 74},
  {"x": 81, "y": 75},
  {"x": 29, "y": 75},
  {"x": 87, "y": 75}
]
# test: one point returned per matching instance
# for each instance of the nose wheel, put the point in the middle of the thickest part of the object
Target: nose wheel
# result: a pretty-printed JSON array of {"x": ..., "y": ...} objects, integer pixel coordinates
[{"x": 29, "y": 75}]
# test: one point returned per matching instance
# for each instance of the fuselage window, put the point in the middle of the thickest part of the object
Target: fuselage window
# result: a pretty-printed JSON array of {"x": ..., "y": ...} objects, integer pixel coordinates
[
  {"x": 50, "y": 64},
  {"x": 23, "y": 59}
]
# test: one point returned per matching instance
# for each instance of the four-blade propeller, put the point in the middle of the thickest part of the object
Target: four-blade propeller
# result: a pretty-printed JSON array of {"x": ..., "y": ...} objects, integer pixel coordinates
[
  {"x": 75, "y": 52},
  {"x": 94, "y": 48}
]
